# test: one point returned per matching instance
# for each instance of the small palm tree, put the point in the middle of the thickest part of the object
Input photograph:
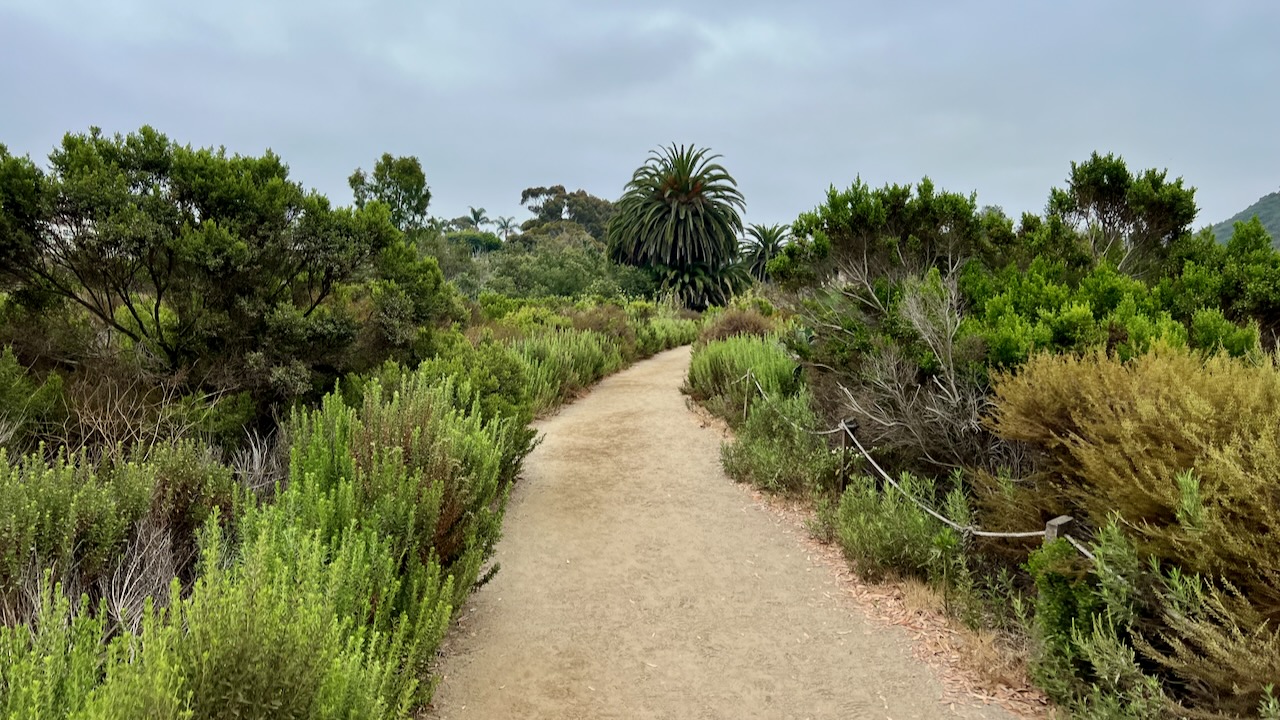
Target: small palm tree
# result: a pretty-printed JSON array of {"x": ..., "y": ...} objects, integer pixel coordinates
[
  {"x": 506, "y": 226},
  {"x": 478, "y": 218},
  {"x": 762, "y": 244},
  {"x": 681, "y": 217}
]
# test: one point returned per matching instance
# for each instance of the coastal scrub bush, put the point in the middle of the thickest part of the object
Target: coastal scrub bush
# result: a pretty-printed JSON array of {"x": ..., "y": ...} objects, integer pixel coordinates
[{"x": 724, "y": 375}]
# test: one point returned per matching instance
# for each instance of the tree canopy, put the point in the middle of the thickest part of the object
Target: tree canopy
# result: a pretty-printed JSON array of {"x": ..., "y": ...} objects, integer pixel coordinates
[
  {"x": 680, "y": 216},
  {"x": 1130, "y": 219},
  {"x": 553, "y": 204},
  {"x": 219, "y": 266},
  {"x": 400, "y": 184}
]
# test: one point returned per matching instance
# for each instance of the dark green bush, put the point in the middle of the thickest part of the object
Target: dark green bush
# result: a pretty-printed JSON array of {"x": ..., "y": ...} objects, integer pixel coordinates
[
  {"x": 570, "y": 266},
  {"x": 1065, "y": 604}
]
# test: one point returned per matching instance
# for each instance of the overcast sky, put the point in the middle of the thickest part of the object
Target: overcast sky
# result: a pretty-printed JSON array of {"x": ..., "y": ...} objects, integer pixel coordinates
[{"x": 494, "y": 97}]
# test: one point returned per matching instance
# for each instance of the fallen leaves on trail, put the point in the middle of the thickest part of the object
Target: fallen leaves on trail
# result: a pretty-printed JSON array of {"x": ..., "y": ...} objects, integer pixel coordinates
[{"x": 951, "y": 651}]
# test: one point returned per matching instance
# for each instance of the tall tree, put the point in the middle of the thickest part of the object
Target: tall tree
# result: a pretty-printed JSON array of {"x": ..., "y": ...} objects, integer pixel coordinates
[
  {"x": 505, "y": 225},
  {"x": 680, "y": 216},
  {"x": 762, "y": 244},
  {"x": 478, "y": 217},
  {"x": 399, "y": 183},
  {"x": 554, "y": 204},
  {"x": 896, "y": 231},
  {"x": 213, "y": 263},
  {"x": 1129, "y": 219}
]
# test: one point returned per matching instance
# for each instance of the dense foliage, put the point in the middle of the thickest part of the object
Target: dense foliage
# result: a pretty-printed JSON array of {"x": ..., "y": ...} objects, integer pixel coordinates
[
  {"x": 761, "y": 245},
  {"x": 255, "y": 449},
  {"x": 1100, "y": 361},
  {"x": 215, "y": 270},
  {"x": 681, "y": 217}
]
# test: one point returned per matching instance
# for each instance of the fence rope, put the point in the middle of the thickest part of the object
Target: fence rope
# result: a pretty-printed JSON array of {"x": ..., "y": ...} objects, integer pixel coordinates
[
  {"x": 1080, "y": 546},
  {"x": 964, "y": 529}
]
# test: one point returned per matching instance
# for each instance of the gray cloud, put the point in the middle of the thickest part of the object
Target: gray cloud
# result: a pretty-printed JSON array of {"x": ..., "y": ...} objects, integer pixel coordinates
[{"x": 986, "y": 96}]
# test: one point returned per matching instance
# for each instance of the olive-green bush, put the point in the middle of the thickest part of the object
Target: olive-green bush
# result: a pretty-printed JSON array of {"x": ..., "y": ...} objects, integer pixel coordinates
[{"x": 1183, "y": 451}]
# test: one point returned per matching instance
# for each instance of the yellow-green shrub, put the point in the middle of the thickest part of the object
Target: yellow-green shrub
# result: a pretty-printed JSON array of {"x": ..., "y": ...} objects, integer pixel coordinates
[
  {"x": 563, "y": 362},
  {"x": 1181, "y": 452},
  {"x": 61, "y": 514},
  {"x": 1114, "y": 437}
]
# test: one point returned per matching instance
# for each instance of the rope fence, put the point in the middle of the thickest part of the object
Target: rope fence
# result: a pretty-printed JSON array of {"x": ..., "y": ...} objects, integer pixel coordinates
[{"x": 1053, "y": 530}]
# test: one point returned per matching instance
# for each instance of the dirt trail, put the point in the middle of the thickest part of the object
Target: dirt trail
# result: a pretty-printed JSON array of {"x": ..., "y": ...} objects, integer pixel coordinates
[{"x": 638, "y": 581}]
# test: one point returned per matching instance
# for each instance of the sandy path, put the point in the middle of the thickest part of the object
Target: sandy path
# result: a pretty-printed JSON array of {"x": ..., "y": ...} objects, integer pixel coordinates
[{"x": 638, "y": 581}]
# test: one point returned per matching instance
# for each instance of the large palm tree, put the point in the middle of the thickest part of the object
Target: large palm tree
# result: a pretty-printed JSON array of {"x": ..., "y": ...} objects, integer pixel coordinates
[
  {"x": 681, "y": 217},
  {"x": 762, "y": 244}
]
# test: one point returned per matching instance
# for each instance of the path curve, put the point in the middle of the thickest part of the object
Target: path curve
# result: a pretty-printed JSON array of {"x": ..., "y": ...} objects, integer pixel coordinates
[{"x": 638, "y": 581}]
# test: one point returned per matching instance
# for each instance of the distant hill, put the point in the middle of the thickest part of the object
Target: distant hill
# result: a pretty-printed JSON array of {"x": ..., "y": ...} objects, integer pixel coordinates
[{"x": 1268, "y": 211}]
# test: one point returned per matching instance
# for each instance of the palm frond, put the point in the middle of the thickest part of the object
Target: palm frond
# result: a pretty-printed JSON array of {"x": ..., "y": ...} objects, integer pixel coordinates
[{"x": 761, "y": 244}]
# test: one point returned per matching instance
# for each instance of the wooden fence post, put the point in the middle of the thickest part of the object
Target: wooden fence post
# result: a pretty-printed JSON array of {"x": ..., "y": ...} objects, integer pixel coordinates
[{"x": 1056, "y": 528}]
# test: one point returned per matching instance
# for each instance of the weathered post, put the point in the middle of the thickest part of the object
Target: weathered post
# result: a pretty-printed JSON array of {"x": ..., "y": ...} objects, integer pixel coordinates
[{"x": 1056, "y": 528}]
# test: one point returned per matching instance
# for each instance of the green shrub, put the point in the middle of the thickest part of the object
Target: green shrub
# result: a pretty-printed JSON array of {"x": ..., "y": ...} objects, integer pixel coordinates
[
  {"x": 68, "y": 515},
  {"x": 536, "y": 319},
  {"x": 884, "y": 533},
  {"x": 1120, "y": 690},
  {"x": 663, "y": 333},
  {"x": 267, "y": 637},
  {"x": 28, "y": 409},
  {"x": 1211, "y": 331},
  {"x": 49, "y": 667},
  {"x": 424, "y": 473},
  {"x": 190, "y": 485},
  {"x": 564, "y": 362},
  {"x": 775, "y": 449},
  {"x": 574, "y": 265},
  {"x": 724, "y": 375},
  {"x": 1065, "y": 605}
]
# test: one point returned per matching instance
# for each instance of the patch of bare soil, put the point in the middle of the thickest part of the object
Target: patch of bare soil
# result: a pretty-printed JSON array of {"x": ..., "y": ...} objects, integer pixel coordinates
[{"x": 638, "y": 581}]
